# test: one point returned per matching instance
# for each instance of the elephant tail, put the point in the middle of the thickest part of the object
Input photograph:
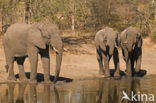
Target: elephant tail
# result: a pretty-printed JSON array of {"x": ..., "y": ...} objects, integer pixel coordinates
[{"x": 6, "y": 67}]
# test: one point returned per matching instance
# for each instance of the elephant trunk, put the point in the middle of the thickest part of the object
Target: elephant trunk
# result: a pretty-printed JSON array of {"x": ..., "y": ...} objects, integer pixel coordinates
[
  {"x": 58, "y": 66},
  {"x": 58, "y": 47},
  {"x": 130, "y": 47},
  {"x": 111, "y": 48}
]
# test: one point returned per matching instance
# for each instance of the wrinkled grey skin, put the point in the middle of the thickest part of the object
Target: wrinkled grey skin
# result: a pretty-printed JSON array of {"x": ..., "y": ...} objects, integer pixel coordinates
[
  {"x": 131, "y": 44},
  {"x": 22, "y": 40},
  {"x": 106, "y": 41}
]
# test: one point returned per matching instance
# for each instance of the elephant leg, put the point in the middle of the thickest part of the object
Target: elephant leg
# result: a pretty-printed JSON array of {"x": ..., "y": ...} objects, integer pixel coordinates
[
  {"x": 123, "y": 55},
  {"x": 11, "y": 71},
  {"x": 128, "y": 65},
  {"x": 33, "y": 58},
  {"x": 126, "y": 56},
  {"x": 106, "y": 59},
  {"x": 100, "y": 61},
  {"x": 132, "y": 62},
  {"x": 20, "y": 62},
  {"x": 9, "y": 64},
  {"x": 46, "y": 63},
  {"x": 138, "y": 60},
  {"x": 116, "y": 63}
]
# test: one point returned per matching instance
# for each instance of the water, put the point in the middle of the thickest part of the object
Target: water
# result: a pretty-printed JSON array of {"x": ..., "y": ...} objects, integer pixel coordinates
[{"x": 78, "y": 91}]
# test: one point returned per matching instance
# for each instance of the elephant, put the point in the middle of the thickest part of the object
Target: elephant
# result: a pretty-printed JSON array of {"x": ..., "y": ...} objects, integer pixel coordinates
[
  {"x": 106, "y": 42},
  {"x": 131, "y": 45},
  {"x": 28, "y": 40}
]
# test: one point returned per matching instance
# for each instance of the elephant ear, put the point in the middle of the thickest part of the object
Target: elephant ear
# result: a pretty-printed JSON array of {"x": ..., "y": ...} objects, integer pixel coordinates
[
  {"x": 139, "y": 40},
  {"x": 140, "y": 43},
  {"x": 35, "y": 37},
  {"x": 117, "y": 40},
  {"x": 104, "y": 41},
  {"x": 43, "y": 28}
]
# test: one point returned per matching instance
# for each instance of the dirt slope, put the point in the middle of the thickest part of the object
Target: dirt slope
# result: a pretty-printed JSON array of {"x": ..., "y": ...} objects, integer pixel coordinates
[{"x": 79, "y": 60}]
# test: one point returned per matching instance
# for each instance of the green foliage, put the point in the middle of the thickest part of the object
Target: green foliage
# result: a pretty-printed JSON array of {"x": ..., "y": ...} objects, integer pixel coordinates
[{"x": 88, "y": 14}]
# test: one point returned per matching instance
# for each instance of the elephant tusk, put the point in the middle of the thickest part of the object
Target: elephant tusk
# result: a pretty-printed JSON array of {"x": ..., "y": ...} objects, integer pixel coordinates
[
  {"x": 65, "y": 49},
  {"x": 115, "y": 45},
  {"x": 133, "y": 46},
  {"x": 55, "y": 50}
]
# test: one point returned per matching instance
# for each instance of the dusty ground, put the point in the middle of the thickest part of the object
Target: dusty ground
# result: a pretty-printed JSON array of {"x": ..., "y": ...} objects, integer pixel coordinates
[{"x": 79, "y": 61}]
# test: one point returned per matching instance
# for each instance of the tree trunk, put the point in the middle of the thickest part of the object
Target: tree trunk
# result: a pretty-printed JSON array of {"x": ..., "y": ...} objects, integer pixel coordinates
[
  {"x": 73, "y": 13},
  {"x": 0, "y": 20},
  {"x": 27, "y": 11},
  {"x": 10, "y": 13}
]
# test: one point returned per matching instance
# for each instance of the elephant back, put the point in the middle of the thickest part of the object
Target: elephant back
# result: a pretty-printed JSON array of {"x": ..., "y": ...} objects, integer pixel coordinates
[{"x": 131, "y": 37}]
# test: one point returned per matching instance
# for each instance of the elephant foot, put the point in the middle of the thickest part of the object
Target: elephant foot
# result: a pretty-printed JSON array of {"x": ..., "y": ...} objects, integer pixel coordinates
[
  {"x": 32, "y": 81},
  {"x": 116, "y": 74},
  {"x": 47, "y": 81},
  {"x": 101, "y": 76},
  {"x": 128, "y": 74},
  {"x": 23, "y": 78},
  {"x": 101, "y": 72},
  {"x": 137, "y": 70},
  {"x": 11, "y": 78},
  {"x": 107, "y": 73}
]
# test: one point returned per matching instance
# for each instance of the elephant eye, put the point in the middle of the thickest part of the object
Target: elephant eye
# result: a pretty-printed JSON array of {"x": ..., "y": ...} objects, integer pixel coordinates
[
  {"x": 105, "y": 40},
  {"x": 49, "y": 36}
]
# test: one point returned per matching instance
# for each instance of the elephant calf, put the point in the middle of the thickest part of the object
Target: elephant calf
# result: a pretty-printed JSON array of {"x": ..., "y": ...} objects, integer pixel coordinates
[
  {"x": 131, "y": 44},
  {"x": 106, "y": 41},
  {"x": 22, "y": 40}
]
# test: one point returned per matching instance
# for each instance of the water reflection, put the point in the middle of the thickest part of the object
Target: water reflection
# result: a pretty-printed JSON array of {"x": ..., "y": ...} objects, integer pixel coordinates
[
  {"x": 82, "y": 91},
  {"x": 21, "y": 89},
  {"x": 33, "y": 93},
  {"x": 110, "y": 91}
]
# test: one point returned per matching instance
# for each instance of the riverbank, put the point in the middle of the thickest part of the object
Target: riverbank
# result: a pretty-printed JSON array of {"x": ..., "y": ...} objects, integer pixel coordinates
[{"x": 79, "y": 60}]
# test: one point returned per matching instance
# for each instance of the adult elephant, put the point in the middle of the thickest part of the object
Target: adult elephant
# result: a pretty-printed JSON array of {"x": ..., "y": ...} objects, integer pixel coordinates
[
  {"x": 106, "y": 41},
  {"x": 131, "y": 44},
  {"x": 22, "y": 40}
]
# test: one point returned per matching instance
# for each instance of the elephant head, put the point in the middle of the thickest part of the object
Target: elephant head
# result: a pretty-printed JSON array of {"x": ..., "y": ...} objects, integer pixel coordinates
[
  {"x": 110, "y": 39},
  {"x": 45, "y": 35},
  {"x": 130, "y": 37}
]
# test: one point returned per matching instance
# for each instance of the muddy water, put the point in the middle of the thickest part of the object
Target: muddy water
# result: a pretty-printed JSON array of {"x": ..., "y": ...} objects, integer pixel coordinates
[{"x": 79, "y": 91}]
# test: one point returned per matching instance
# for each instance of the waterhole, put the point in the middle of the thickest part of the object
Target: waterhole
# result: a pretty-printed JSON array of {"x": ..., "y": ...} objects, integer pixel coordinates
[{"x": 80, "y": 91}]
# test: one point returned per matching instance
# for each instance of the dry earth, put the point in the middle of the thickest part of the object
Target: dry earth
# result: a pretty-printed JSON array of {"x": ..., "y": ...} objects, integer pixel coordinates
[{"x": 79, "y": 59}]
